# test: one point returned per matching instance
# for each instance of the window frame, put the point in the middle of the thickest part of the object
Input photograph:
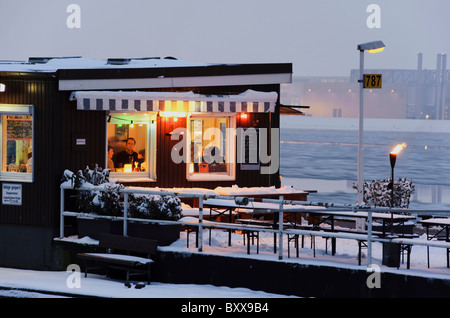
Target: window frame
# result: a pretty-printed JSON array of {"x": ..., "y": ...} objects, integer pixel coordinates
[
  {"x": 144, "y": 176},
  {"x": 17, "y": 110},
  {"x": 230, "y": 148}
]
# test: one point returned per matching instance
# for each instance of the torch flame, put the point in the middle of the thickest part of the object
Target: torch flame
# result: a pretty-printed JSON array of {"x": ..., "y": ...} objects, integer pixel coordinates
[{"x": 398, "y": 148}]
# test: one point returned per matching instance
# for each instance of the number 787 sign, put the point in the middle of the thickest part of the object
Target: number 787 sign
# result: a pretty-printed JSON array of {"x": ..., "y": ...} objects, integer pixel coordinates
[{"x": 372, "y": 80}]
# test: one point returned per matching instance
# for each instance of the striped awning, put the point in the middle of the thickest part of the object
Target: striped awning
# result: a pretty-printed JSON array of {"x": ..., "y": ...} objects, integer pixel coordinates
[{"x": 249, "y": 101}]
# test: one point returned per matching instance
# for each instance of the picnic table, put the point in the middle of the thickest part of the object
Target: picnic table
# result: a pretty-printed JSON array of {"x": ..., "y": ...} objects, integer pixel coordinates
[
  {"x": 386, "y": 218},
  {"x": 257, "y": 193},
  {"x": 327, "y": 215},
  {"x": 444, "y": 225},
  {"x": 223, "y": 206}
]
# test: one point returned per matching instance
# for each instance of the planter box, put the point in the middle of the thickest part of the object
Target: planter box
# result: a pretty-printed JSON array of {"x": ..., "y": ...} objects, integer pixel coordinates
[
  {"x": 165, "y": 234},
  {"x": 93, "y": 227}
]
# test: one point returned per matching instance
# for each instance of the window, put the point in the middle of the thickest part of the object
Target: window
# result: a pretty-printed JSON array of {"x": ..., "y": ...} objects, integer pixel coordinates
[
  {"x": 212, "y": 148},
  {"x": 16, "y": 149},
  {"x": 131, "y": 145},
  {"x": 337, "y": 112}
]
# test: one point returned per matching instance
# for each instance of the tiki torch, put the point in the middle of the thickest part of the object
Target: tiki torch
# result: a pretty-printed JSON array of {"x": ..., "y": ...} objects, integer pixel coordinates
[{"x": 393, "y": 157}]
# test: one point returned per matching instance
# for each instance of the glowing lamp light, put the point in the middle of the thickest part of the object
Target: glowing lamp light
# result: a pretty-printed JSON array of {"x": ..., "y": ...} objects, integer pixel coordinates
[
  {"x": 172, "y": 114},
  {"x": 244, "y": 116},
  {"x": 2, "y": 87},
  {"x": 127, "y": 168},
  {"x": 380, "y": 49}
]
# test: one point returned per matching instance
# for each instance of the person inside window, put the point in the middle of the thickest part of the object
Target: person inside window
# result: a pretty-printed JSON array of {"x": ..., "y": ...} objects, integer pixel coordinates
[
  {"x": 110, "y": 160},
  {"x": 127, "y": 156}
]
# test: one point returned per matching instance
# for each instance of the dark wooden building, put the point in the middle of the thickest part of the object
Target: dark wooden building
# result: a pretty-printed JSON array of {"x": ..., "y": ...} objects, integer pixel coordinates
[{"x": 190, "y": 123}]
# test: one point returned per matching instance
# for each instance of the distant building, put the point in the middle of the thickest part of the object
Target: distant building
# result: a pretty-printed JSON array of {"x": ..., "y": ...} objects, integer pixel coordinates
[{"x": 405, "y": 94}]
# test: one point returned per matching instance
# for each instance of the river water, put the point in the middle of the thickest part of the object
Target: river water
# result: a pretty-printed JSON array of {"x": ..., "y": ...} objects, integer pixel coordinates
[{"x": 326, "y": 160}]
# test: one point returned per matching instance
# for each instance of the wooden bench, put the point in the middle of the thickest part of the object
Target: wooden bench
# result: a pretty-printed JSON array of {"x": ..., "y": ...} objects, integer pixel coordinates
[
  {"x": 361, "y": 241},
  {"x": 250, "y": 231},
  {"x": 124, "y": 246}
]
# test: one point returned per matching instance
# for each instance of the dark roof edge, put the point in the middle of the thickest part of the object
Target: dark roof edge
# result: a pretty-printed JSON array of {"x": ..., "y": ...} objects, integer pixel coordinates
[
  {"x": 27, "y": 74},
  {"x": 185, "y": 71}
]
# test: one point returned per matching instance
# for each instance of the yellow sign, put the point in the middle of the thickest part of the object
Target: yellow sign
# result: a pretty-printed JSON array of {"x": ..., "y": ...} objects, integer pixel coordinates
[{"x": 372, "y": 80}]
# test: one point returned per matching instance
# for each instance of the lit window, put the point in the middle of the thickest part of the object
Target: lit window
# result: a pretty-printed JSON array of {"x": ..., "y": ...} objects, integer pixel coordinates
[
  {"x": 131, "y": 150},
  {"x": 16, "y": 151},
  {"x": 212, "y": 148}
]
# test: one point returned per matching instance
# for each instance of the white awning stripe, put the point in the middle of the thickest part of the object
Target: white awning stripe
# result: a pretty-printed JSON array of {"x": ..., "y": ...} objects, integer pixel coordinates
[{"x": 249, "y": 101}]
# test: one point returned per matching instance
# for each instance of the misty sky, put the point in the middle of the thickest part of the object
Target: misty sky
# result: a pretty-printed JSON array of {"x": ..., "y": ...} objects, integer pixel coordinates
[{"x": 318, "y": 36}]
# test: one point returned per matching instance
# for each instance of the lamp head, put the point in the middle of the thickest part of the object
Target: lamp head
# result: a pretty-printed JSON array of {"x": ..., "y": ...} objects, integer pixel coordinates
[{"x": 371, "y": 47}]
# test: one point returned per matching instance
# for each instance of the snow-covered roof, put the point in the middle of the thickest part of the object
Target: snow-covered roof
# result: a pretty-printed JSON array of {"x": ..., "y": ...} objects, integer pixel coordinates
[
  {"x": 78, "y": 73},
  {"x": 51, "y": 65}
]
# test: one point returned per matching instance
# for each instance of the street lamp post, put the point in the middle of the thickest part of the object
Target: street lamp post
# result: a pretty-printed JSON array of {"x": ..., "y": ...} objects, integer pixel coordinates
[{"x": 371, "y": 47}]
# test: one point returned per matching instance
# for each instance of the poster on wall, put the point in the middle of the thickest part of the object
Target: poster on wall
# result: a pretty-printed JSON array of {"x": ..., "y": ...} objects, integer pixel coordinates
[{"x": 11, "y": 194}]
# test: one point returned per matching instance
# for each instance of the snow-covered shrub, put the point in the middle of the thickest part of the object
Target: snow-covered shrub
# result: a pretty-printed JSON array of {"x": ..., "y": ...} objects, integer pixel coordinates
[
  {"x": 97, "y": 202},
  {"x": 157, "y": 207},
  {"x": 110, "y": 202},
  {"x": 94, "y": 177},
  {"x": 379, "y": 193}
]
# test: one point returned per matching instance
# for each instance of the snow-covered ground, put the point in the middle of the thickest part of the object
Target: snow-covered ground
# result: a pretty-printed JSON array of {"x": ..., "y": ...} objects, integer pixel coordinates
[
  {"x": 19, "y": 283},
  {"x": 346, "y": 253},
  {"x": 29, "y": 283}
]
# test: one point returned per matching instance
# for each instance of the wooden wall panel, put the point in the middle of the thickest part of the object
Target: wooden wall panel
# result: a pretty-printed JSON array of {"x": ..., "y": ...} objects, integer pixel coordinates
[{"x": 39, "y": 197}]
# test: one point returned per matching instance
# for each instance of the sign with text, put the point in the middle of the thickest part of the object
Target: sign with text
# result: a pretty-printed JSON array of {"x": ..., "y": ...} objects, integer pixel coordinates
[
  {"x": 372, "y": 81},
  {"x": 11, "y": 194}
]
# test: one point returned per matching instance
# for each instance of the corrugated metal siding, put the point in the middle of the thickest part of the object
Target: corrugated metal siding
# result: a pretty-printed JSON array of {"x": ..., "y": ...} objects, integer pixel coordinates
[{"x": 38, "y": 198}]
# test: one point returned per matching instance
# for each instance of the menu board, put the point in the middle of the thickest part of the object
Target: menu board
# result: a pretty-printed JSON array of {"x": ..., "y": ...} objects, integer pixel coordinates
[{"x": 19, "y": 128}]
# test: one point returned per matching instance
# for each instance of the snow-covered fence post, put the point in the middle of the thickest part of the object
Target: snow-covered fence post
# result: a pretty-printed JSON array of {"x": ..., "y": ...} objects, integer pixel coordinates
[
  {"x": 200, "y": 224},
  {"x": 61, "y": 213},
  {"x": 125, "y": 213},
  {"x": 280, "y": 230},
  {"x": 369, "y": 237}
]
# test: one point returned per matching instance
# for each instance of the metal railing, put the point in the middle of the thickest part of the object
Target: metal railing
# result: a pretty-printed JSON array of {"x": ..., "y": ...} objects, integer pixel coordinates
[{"x": 303, "y": 206}]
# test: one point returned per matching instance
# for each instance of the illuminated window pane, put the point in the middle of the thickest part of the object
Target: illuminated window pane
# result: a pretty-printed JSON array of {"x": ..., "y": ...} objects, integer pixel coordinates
[
  {"x": 17, "y": 135},
  {"x": 129, "y": 146},
  {"x": 210, "y": 146}
]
